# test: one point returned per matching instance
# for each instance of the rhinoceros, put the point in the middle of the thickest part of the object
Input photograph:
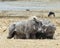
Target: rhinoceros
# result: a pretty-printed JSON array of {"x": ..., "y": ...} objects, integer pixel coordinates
[{"x": 24, "y": 28}]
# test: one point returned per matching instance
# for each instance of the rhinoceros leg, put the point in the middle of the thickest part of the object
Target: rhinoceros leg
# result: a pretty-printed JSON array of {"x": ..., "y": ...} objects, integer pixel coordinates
[
  {"x": 11, "y": 35},
  {"x": 33, "y": 36},
  {"x": 27, "y": 35},
  {"x": 16, "y": 36},
  {"x": 19, "y": 36}
]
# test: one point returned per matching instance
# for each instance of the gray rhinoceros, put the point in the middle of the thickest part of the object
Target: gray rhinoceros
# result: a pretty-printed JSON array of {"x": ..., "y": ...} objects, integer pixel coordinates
[
  {"x": 24, "y": 28},
  {"x": 47, "y": 30}
]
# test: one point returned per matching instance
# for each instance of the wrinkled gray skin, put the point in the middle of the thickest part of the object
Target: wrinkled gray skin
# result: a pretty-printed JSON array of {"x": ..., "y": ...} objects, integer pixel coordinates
[
  {"x": 47, "y": 30},
  {"x": 23, "y": 29}
]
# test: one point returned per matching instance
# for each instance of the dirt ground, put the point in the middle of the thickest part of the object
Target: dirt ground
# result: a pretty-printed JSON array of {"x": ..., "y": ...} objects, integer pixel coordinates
[{"x": 27, "y": 43}]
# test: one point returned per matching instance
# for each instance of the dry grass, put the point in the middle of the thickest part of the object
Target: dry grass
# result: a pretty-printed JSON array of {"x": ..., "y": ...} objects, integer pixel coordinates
[{"x": 27, "y": 43}]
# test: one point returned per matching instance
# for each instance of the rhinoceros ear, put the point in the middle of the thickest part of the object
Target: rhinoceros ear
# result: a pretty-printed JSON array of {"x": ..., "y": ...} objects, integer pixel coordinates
[{"x": 34, "y": 19}]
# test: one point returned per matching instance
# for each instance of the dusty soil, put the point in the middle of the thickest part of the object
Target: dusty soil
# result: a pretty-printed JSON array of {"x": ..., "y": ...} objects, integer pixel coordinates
[{"x": 27, "y": 43}]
